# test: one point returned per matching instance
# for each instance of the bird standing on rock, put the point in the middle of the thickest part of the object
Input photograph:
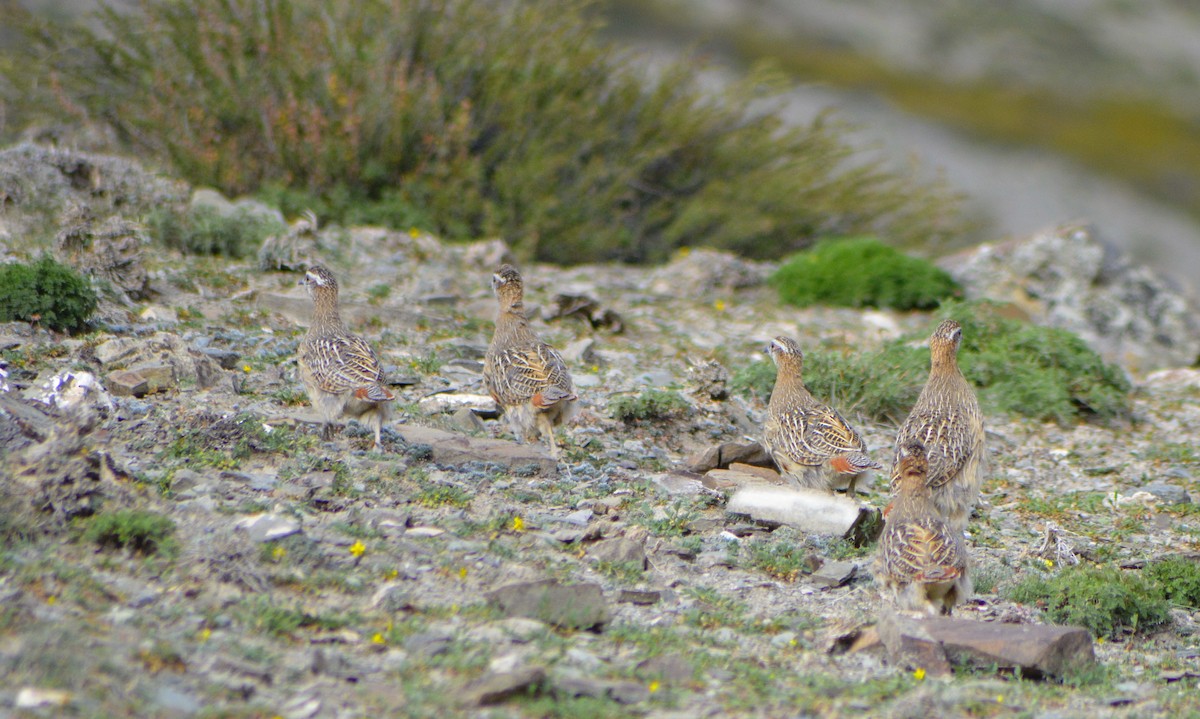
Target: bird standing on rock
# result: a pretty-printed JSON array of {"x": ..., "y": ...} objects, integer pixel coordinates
[
  {"x": 339, "y": 369},
  {"x": 527, "y": 377},
  {"x": 810, "y": 442},
  {"x": 947, "y": 421},
  {"x": 921, "y": 561}
]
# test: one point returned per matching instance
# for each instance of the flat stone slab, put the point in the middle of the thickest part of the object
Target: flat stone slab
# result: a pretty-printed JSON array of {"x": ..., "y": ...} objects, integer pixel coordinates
[
  {"x": 1036, "y": 650},
  {"x": 809, "y": 510},
  {"x": 450, "y": 448},
  {"x": 495, "y": 687},
  {"x": 569, "y": 606}
]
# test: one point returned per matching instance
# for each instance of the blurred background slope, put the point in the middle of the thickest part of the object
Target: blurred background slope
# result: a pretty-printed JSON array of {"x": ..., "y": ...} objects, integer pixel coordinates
[{"x": 1042, "y": 111}]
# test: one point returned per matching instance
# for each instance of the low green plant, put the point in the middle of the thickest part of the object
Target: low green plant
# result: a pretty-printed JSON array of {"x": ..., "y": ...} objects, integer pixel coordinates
[
  {"x": 782, "y": 560},
  {"x": 1105, "y": 600},
  {"x": 1041, "y": 372},
  {"x": 648, "y": 406},
  {"x": 204, "y": 230},
  {"x": 443, "y": 495},
  {"x": 138, "y": 530},
  {"x": 46, "y": 292},
  {"x": 265, "y": 615},
  {"x": 469, "y": 119},
  {"x": 862, "y": 272},
  {"x": 1179, "y": 578}
]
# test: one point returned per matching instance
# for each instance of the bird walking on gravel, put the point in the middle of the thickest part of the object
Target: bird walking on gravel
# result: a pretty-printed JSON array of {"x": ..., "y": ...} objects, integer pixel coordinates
[
  {"x": 947, "y": 421},
  {"x": 810, "y": 442},
  {"x": 527, "y": 377},
  {"x": 922, "y": 561},
  {"x": 340, "y": 371}
]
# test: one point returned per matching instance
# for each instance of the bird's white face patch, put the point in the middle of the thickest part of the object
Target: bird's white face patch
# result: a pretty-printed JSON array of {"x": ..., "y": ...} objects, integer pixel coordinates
[{"x": 315, "y": 279}]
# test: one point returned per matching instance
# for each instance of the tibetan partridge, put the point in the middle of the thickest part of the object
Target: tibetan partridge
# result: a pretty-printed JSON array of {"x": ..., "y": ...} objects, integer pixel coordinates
[
  {"x": 810, "y": 442},
  {"x": 527, "y": 377},
  {"x": 947, "y": 421},
  {"x": 922, "y": 561},
  {"x": 339, "y": 369}
]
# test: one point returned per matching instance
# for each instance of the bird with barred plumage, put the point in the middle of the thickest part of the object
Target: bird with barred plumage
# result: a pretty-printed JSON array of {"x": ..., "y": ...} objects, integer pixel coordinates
[
  {"x": 813, "y": 445},
  {"x": 527, "y": 377},
  {"x": 340, "y": 371}
]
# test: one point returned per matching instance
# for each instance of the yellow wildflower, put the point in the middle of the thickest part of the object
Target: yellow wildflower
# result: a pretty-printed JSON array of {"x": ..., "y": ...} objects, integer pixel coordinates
[
  {"x": 518, "y": 524},
  {"x": 358, "y": 548},
  {"x": 462, "y": 572},
  {"x": 719, "y": 305},
  {"x": 654, "y": 686},
  {"x": 378, "y": 638},
  {"x": 246, "y": 369},
  {"x": 919, "y": 674},
  {"x": 278, "y": 553}
]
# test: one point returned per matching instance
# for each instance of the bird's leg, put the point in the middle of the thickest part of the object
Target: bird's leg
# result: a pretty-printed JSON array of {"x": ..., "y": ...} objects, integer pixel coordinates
[{"x": 546, "y": 429}]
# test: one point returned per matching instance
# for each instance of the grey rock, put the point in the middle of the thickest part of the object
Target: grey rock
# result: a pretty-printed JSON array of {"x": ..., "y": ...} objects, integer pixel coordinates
[
  {"x": 391, "y": 597},
  {"x": 268, "y": 527},
  {"x": 1035, "y": 650},
  {"x": 449, "y": 448},
  {"x": 1067, "y": 277},
  {"x": 227, "y": 359},
  {"x": 909, "y": 644},
  {"x": 619, "y": 551},
  {"x": 579, "y": 518},
  {"x": 643, "y": 597},
  {"x": 465, "y": 419},
  {"x": 701, "y": 273},
  {"x": 618, "y": 691},
  {"x": 727, "y": 453},
  {"x": 1169, "y": 493},
  {"x": 570, "y": 606},
  {"x": 834, "y": 574},
  {"x": 579, "y": 351},
  {"x": 127, "y": 383},
  {"x": 495, "y": 687}
]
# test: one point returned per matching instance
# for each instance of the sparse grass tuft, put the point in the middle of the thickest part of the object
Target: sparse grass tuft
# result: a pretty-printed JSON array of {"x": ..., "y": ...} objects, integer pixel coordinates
[
  {"x": 45, "y": 292},
  {"x": 443, "y": 495},
  {"x": 862, "y": 272},
  {"x": 1105, "y": 600},
  {"x": 782, "y": 560},
  {"x": 140, "y": 531},
  {"x": 648, "y": 406}
]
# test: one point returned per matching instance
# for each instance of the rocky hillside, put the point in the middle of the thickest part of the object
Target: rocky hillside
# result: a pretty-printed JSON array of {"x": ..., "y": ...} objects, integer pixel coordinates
[{"x": 179, "y": 542}]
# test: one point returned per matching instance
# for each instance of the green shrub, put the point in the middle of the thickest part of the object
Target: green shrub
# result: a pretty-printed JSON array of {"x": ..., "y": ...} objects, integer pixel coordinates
[
  {"x": 205, "y": 231},
  {"x": 140, "y": 531},
  {"x": 1040, "y": 372},
  {"x": 470, "y": 119},
  {"x": 47, "y": 292},
  {"x": 1105, "y": 600},
  {"x": 861, "y": 272},
  {"x": 1179, "y": 578},
  {"x": 653, "y": 404}
]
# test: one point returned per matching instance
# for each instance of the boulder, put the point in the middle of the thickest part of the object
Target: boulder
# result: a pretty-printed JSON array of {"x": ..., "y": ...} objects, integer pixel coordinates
[
  {"x": 934, "y": 643},
  {"x": 1067, "y": 277}
]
